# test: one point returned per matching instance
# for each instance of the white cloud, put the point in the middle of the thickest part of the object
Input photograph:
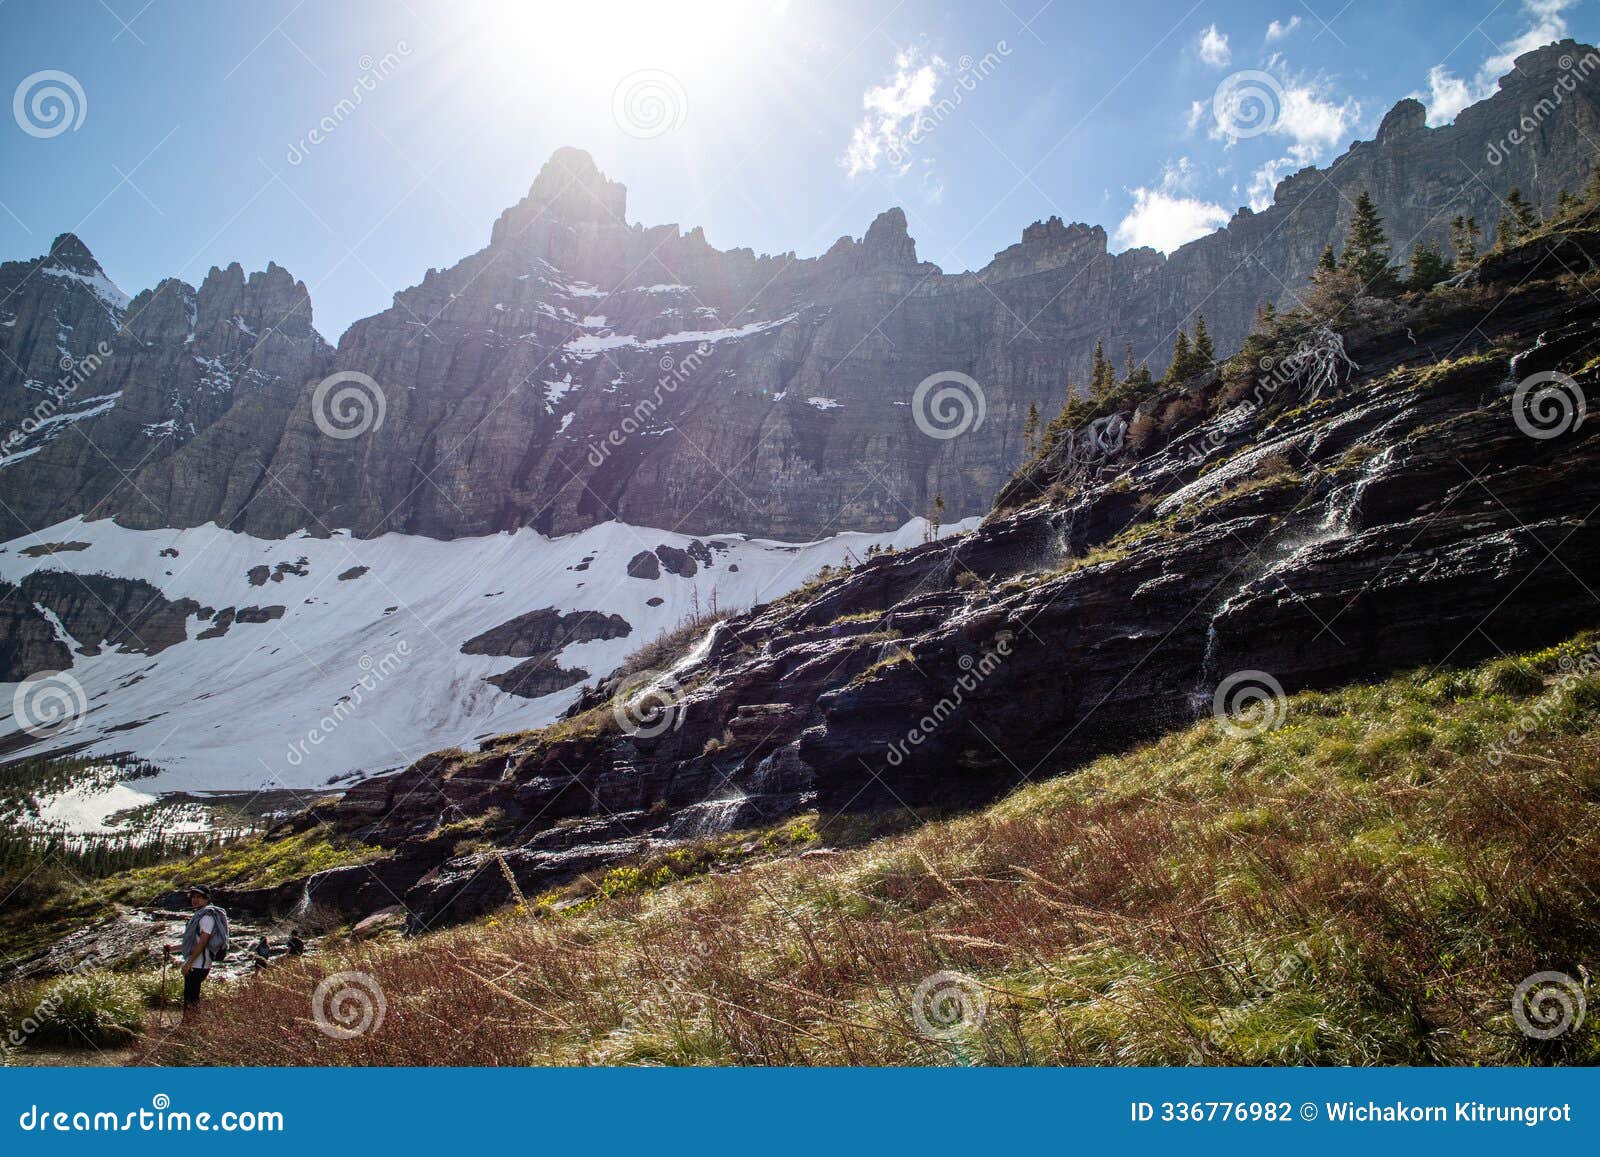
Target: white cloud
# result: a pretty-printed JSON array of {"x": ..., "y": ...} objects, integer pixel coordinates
[
  {"x": 1214, "y": 48},
  {"x": 1197, "y": 113},
  {"x": 1263, "y": 103},
  {"x": 1548, "y": 24},
  {"x": 1165, "y": 222},
  {"x": 1277, "y": 31},
  {"x": 1274, "y": 103},
  {"x": 884, "y": 136},
  {"x": 1264, "y": 181},
  {"x": 1448, "y": 94},
  {"x": 1163, "y": 218},
  {"x": 1315, "y": 124}
]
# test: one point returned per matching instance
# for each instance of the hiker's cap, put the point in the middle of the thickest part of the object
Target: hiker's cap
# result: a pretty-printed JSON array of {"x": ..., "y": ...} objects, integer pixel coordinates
[{"x": 199, "y": 890}]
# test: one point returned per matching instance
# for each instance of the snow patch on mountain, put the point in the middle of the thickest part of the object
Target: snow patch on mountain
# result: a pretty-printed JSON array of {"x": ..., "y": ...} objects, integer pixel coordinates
[
  {"x": 590, "y": 344},
  {"x": 97, "y": 283},
  {"x": 362, "y": 671}
]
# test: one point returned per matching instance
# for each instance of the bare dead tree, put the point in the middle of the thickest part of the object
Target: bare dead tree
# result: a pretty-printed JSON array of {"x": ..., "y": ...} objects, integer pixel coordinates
[
  {"x": 1319, "y": 363},
  {"x": 1091, "y": 446}
]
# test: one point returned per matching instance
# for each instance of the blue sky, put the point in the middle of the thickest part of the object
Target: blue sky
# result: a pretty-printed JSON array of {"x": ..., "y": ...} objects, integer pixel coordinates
[{"x": 778, "y": 126}]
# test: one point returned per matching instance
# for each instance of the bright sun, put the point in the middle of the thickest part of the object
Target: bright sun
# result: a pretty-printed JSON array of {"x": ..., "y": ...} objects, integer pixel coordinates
[{"x": 699, "y": 44}]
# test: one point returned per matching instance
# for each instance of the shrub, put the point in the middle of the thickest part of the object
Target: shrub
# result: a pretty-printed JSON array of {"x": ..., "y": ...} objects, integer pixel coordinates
[{"x": 95, "y": 1008}]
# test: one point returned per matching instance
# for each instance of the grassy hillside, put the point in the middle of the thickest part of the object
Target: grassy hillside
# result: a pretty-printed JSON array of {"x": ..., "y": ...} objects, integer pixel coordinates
[
  {"x": 1367, "y": 883},
  {"x": 47, "y": 895}
]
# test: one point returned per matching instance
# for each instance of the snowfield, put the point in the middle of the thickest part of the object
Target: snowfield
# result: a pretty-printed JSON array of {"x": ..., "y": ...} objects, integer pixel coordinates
[{"x": 364, "y": 674}]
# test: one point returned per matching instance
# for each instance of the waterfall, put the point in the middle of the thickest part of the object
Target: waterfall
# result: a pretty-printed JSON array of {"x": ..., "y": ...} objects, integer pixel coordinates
[
  {"x": 1346, "y": 500},
  {"x": 1337, "y": 522},
  {"x": 1514, "y": 369},
  {"x": 709, "y": 817},
  {"x": 1205, "y": 682}
]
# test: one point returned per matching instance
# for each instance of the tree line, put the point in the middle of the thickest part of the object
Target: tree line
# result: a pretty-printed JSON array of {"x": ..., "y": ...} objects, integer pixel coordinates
[{"x": 1367, "y": 257}]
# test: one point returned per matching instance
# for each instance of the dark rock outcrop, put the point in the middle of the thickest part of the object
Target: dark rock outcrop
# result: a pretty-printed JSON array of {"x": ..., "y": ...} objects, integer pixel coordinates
[
  {"x": 96, "y": 612},
  {"x": 1243, "y": 530},
  {"x": 536, "y": 638},
  {"x": 543, "y": 631},
  {"x": 644, "y": 565},
  {"x": 98, "y": 394},
  {"x": 538, "y": 676}
]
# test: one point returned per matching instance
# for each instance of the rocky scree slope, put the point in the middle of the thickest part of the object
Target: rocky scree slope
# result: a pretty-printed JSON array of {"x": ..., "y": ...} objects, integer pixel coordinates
[
  {"x": 505, "y": 377},
  {"x": 1404, "y": 517}
]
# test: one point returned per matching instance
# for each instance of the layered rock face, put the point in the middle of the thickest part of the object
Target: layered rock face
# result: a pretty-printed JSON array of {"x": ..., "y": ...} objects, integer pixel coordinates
[
  {"x": 1249, "y": 534},
  {"x": 582, "y": 368},
  {"x": 109, "y": 405}
]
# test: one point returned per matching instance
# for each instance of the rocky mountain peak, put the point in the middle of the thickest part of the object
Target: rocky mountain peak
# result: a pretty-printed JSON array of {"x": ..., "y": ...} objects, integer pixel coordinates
[
  {"x": 69, "y": 252},
  {"x": 220, "y": 280},
  {"x": 1546, "y": 62},
  {"x": 570, "y": 189},
  {"x": 1406, "y": 117},
  {"x": 888, "y": 242},
  {"x": 1049, "y": 245},
  {"x": 271, "y": 295}
]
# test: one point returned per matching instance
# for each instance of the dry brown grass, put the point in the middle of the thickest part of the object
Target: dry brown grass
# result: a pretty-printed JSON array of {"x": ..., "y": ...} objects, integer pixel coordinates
[{"x": 1362, "y": 885}]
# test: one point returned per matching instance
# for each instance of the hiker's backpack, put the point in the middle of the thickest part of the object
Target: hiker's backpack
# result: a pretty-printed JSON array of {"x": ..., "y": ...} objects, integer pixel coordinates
[{"x": 217, "y": 947}]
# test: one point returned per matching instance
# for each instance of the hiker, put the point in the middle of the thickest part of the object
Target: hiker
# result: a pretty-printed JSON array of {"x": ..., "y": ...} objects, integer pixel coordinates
[
  {"x": 205, "y": 939},
  {"x": 295, "y": 945},
  {"x": 261, "y": 953}
]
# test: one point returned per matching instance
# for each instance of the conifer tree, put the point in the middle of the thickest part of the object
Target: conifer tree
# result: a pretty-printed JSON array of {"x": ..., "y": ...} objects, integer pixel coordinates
[
  {"x": 1505, "y": 234},
  {"x": 1428, "y": 267},
  {"x": 1128, "y": 364},
  {"x": 1525, "y": 218},
  {"x": 1366, "y": 249},
  {"x": 1204, "y": 354},
  {"x": 1566, "y": 204},
  {"x": 1103, "y": 376},
  {"x": 1030, "y": 432},
  {"x": 1591, "y": 191},
  {"x": 1328, "y": 262},
  {"x": 1181, "y": 357},
  {"x": 1464, "y": 234}
]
